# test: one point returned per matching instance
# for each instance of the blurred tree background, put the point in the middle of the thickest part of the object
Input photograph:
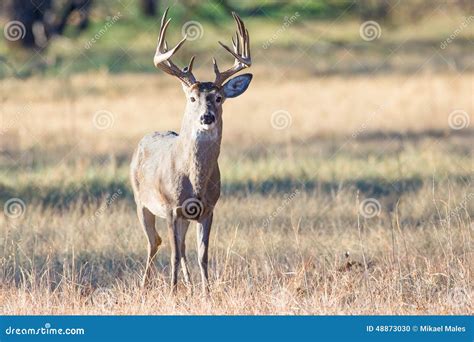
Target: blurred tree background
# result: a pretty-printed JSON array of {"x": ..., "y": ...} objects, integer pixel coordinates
[{"x": 64, "y": 36}]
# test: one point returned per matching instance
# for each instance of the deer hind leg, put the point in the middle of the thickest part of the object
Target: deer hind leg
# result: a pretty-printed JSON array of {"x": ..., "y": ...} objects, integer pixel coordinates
[
  {"x": 181, "y": 236},
  {"x": 147, "y": 220}
]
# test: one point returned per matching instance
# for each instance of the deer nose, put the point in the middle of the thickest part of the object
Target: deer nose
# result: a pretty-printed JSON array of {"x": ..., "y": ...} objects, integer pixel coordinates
[{"x": 207, "y": 119}]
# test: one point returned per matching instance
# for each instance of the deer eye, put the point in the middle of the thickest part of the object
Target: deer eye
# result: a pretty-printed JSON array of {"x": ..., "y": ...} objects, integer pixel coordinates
[
  {"x": 193, "y": 99},
  {"x": 218, "y": 99}
]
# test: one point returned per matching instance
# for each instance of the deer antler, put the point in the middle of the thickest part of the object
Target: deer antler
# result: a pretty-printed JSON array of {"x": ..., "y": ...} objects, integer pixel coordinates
[
  {"x": 241, "y": 52},
  {"x": 163, "y": 56}
]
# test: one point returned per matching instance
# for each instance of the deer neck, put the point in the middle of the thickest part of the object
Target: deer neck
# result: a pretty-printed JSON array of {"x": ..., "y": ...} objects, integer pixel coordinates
[{"x": 200, "y": 152}]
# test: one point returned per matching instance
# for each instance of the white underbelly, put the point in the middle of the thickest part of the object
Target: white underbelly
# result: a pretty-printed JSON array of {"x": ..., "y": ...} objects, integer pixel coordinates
[{"x": 156, "y": 207}]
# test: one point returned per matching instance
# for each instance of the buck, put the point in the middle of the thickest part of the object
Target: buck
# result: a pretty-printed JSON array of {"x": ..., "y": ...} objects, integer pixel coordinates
[{"x": 176, "y": 176}]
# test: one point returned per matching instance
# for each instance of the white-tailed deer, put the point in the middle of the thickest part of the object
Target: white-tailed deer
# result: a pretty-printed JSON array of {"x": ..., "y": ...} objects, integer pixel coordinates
[{"x": 176, "y": 176}]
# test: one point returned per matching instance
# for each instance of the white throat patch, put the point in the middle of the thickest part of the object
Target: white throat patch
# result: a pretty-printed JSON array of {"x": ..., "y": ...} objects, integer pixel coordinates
[{"x": 203, "y": 134}]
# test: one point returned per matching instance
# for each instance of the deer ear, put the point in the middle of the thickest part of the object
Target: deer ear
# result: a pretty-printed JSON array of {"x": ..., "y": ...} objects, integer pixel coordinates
[{"x": 237, "y": 85}]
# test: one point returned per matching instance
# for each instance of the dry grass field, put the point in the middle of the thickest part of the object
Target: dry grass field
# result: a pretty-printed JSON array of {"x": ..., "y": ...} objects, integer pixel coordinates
[
  {"x": 347, "y": 167},
  {"x": 355, "y": 198}
]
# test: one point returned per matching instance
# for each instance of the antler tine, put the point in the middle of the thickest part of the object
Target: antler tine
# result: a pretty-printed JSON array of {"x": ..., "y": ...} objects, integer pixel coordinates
[
  {"x": 242, "y": 29},
  {"x": 189, "y": 68},
  {"x": 247, "y": 46},
  {"x": 240, "y": 51},
  {"x": 238, "y": 44},
  {"x": 214, "y": 63},
  {"x": 240, "y": 23},
  {"x": 163, "y": 27},
  {"x": 234, "y": 44},
  {"x": 163, "y": 56}
]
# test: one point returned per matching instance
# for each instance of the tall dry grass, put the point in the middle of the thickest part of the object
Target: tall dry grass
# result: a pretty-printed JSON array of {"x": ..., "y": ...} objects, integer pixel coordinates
[
  {"x": 318, "y": 256},
  {"x": 289, "y": 235}
]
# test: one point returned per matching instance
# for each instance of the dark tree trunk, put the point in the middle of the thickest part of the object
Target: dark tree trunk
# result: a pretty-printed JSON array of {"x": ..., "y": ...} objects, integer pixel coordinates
[
  {"x": 38, "y": 23},
  {"x": 148, "y": 7},
  {"x": 27, "y": 12},
  {"x": 373, "y": 9}
]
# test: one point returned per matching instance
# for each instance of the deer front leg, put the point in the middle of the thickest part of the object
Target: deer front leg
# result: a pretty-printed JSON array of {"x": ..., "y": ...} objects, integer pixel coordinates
[
  {"x": 173, "y": 229},
  {"x": 181, "y": 233},
  {"x": 147, "y": 221},
  {"x": 203, "y": 232}
]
